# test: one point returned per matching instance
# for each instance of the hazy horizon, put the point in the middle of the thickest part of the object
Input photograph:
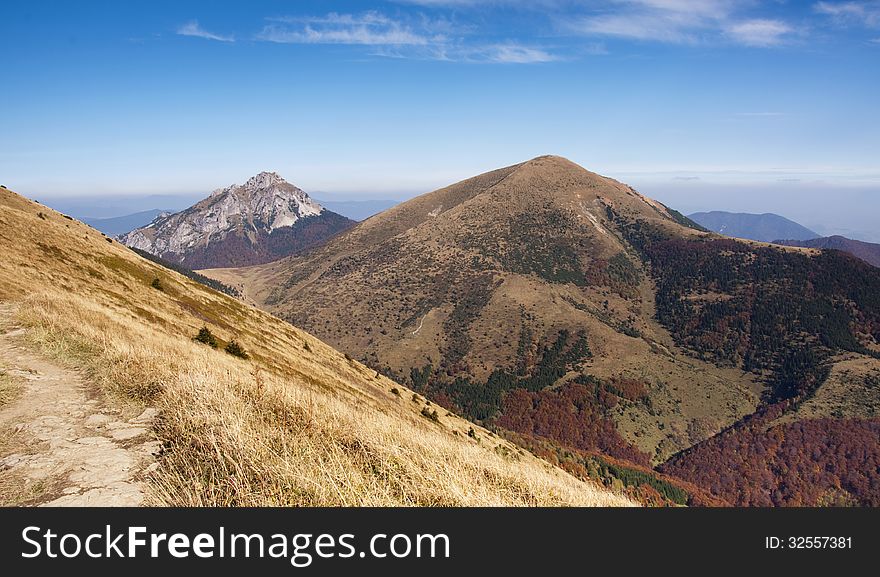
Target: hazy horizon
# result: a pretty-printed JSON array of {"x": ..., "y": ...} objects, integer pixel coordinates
[{"x": 823, "y": 209}]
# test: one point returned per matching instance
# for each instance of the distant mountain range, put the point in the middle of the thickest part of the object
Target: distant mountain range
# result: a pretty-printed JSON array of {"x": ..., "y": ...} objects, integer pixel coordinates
[
  {"x": 763, "y": 227},
  {"x": 264, "y": 219},
  {"x": 104, "y": 206},
  {"x": 867, "y": 251},
  {"x": 780, "y": 230},
  {"x": 118, "y": 225},
  {"x": 357, "y": 209}
]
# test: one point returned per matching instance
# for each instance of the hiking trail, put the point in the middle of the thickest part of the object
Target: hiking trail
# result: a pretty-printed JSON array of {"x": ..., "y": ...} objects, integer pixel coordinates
[{"x": 65, "y": 445}]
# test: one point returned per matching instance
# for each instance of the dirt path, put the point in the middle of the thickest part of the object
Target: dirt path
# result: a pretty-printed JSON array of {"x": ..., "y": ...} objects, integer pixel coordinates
[
  {"x": 421, "y": 323},
  {"x": 64, "y": 441}
]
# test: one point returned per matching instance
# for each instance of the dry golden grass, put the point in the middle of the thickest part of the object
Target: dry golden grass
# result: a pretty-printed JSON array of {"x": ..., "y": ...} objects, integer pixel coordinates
[
  {"x": 298, "y": 424},
  {"x": 9, "y": 388},
  {"x": 16, "y": 489},
  {"x": 238, "y": 436}
]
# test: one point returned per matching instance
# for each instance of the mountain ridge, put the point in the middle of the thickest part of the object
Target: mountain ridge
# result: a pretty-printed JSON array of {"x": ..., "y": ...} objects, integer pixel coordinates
[
  {"x": 765, "y": 227},
  {"x": 436, "y": 273},
  {"x": 866, "y": 251}
]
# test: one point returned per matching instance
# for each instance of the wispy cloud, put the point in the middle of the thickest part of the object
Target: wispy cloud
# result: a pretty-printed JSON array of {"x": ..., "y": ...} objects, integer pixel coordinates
[
  {"x": 192, "y": 28},
  {"x": 417, "y": 37},
  {"x": 639, "y": 27},
  {"x": 851, "y": 13},
  {"x": 681, "y": 22},
  {"x": 759, "y": 32},
  {"x": 514, "y": 54},
  {"x": 368, "y": 29},
  {"x": 480, "y": 53}
]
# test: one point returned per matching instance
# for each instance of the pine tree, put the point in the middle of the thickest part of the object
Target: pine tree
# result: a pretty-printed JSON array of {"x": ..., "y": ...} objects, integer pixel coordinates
[
  {"x": 207, "y": 337},
  {"x": 236, "y": 350}
]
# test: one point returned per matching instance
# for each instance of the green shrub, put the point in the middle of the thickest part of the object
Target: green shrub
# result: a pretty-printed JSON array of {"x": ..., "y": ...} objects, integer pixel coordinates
[
  {"x": 395, "y": 391},
  {"x": 207, "y": 337},
  {"x": 236, "y": 350},
  {"x": 157, "y": 284}
]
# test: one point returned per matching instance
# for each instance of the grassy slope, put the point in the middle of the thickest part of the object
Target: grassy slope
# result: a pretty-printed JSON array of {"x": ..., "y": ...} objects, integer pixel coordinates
[
  {"x": 298, "y": 424},
  {"x": 394, "y": 281}
]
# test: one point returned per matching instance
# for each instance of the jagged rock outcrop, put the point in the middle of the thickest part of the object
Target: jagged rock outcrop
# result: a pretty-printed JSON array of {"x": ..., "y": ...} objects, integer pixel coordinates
[{"x": 262, "y": 220}]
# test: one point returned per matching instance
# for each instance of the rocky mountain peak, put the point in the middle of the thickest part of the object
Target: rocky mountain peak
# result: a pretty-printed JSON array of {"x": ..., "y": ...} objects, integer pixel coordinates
[
  {"x": 241, "y": 214},
  {"x": 262, "y": 183},
  {"x": 264, "y": 180}
]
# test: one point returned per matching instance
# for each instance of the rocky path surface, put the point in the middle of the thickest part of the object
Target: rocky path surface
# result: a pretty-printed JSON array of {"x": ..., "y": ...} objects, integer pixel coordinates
[{"x": 66, "y": 437}]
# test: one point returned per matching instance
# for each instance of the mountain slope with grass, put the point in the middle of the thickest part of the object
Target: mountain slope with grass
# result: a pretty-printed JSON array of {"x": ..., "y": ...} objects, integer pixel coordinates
[
  {"x": 587, "y": 321},
  {"x": 519, "y": 278},
  {"x": 286, "y": 420}
]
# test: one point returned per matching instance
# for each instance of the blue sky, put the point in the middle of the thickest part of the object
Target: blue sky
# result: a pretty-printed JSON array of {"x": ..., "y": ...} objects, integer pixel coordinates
[{"x": 705, "y": 104}]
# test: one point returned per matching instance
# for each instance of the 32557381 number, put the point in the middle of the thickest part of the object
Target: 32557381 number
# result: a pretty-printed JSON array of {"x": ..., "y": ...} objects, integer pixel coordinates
[{"x": 819, "y": 543}]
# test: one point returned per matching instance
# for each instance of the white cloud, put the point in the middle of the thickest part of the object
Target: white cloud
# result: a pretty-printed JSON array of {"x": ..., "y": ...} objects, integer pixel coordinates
[
  {"x": 368, "y": 29},
  {"x": 515, "y": 54},
  {"x": 681, "y": 22},
  {"x": 855, "y": 13},
  {"x": 360, "y": 35},
  {"x": 710, "y": 8},
  {"x": 672, "y": 27},
  {"x": 192, "y": 28},
  {"x": 420, "y": 38},
  {"x": 759, "y": 32},
  {"x": 839, "y": 8},
  {"x": 487, "y": 53}
]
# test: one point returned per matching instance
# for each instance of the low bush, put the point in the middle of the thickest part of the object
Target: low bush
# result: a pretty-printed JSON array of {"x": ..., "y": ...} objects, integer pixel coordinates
[{"x": 429, "y": 414}]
